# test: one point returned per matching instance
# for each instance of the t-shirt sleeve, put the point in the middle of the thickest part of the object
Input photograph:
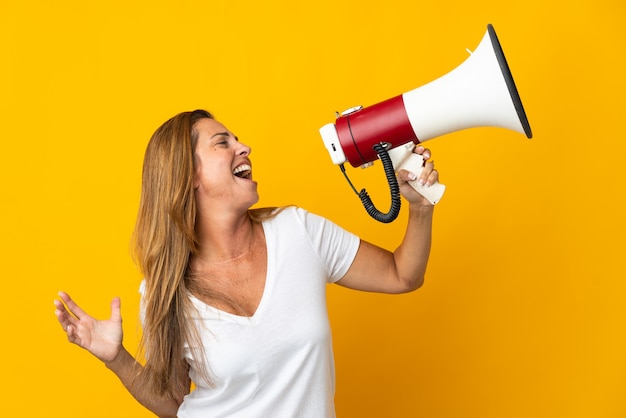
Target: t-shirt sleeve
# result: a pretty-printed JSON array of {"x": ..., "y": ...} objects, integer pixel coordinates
[{"x": 335, "y": 246}]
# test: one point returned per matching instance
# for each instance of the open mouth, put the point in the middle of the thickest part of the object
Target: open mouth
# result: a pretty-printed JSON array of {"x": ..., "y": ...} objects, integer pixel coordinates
[{"x": 244, "y": 171}]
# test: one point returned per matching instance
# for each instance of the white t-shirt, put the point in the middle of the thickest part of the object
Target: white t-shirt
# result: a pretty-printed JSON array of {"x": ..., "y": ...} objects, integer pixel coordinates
[{"x": 279, "y": 362}]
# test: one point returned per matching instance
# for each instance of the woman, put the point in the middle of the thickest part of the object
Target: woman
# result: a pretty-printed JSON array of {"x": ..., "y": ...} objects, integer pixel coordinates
[{"x": 233, "y": 299}]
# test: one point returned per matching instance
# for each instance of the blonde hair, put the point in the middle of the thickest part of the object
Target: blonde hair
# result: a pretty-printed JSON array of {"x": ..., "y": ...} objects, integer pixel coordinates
[{"x": 164, "y": 241}]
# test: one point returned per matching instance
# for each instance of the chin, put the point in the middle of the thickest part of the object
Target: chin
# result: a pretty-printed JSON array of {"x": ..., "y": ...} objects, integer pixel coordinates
[{"x": 254, "y": 200}]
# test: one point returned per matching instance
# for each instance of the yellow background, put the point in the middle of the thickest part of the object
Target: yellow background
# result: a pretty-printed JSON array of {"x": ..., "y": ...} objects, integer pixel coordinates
[{"x": 523, "y": 312}]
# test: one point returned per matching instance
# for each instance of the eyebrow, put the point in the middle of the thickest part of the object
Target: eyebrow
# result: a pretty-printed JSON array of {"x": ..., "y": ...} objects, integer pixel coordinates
[
  {"x": 220, "y": 133},
  {"x": 225, "y": 134}
]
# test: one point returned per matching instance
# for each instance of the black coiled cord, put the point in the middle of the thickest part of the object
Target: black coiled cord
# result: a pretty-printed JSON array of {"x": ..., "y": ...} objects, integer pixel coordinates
[{"x": 394, "y": 189}]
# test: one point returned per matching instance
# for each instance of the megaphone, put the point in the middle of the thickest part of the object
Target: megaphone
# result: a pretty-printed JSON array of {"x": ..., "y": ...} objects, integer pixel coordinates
[{"x": 478, "y": 93}]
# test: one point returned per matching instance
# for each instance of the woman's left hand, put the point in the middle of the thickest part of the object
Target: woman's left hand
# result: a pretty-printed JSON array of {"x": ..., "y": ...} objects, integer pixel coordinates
[{"x": 427, "y": 177}]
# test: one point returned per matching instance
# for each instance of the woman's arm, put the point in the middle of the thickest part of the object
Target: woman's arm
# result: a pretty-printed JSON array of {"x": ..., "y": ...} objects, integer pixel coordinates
[
  {"x": 103, "y": 339},
  {"x": 377, "y": 270},
  {"x": 126, "y": 367}
]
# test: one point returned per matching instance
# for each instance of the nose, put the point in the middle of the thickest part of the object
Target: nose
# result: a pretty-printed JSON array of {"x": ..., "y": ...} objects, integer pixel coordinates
[{"x": 244, "y": 150}]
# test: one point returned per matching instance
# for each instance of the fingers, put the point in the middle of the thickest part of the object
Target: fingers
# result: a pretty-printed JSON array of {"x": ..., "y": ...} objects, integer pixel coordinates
[
  {"x": 424, "y": 152},
  {"x": 429, "y": 174},
  {"x": 74, "y": 309},
  {"x": 65, "y": 318},
  {"x": 69, "y": 315},
  {"x": 67, "y": 321}
]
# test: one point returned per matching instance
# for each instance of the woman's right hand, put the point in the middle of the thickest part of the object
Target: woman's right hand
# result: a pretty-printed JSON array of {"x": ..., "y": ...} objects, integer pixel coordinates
[{"x": 102, "y": 338}]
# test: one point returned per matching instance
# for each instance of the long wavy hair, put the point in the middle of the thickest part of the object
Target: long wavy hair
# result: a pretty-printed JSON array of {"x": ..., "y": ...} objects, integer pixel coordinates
[{"x": 164, "y": 241}]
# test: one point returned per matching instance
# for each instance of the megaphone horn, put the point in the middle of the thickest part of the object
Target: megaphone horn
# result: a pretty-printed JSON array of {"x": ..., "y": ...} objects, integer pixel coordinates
[{"x": 478, "y": 93}]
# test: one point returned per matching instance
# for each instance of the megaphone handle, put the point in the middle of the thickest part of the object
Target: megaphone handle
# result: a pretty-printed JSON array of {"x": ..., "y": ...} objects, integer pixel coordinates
[{"x": 415, "y": 164}]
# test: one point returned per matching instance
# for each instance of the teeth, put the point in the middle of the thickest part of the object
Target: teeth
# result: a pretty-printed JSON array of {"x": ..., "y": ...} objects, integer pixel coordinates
[{"x": 241, "y": 169}]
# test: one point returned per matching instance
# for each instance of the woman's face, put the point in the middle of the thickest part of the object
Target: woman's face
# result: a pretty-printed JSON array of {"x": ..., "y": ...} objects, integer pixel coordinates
[{"x": 223, "y": 168}]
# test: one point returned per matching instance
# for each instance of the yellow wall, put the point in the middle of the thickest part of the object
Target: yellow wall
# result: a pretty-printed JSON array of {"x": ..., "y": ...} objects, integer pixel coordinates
[{"x": 523, "y": 311}]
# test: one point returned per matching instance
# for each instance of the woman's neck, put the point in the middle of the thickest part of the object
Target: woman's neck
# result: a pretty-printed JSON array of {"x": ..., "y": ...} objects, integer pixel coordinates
[{"x": 224, "y": 240}]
